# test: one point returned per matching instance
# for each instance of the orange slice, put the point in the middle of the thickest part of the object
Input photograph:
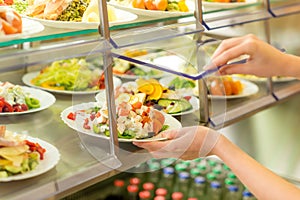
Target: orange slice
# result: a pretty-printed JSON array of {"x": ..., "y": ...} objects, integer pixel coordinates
[
  {"x": 146, "y": 88},
  {"x": 156, "y": 94}
]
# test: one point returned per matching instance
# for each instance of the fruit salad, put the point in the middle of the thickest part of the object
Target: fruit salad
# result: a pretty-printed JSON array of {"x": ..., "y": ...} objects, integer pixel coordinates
[{"x": 152, "y": 94}]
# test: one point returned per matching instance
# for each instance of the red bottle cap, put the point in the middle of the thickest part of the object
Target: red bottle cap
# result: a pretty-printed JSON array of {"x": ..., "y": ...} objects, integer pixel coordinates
[
  {"x": 161, "y": 191},
  {"x": 148, "y": 186},
  {"x": 134, "y": 181},
  {"x": 144, "y": 194},
  {"x": 159, "y": 198},
  {"x": 177, "y": 196},
  {"x": 119, "y": 183},
  {"x": 132, "y": 188}
]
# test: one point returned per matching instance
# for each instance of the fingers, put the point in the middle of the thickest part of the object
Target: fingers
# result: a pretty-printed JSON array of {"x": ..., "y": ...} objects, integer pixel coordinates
[
  {"x": 170, "y": 134},
  {"x": 230, "y": 54},
  {"x": 152, "y": 146},
  {"x": 236, "y": 69},
  {"x": 233, "y": 48},
  {"x": 227, "y": 44}
]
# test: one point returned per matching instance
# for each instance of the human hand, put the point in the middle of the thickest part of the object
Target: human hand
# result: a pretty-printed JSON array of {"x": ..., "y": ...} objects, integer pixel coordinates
[
  {"x": 186, "y": 143},
  {"x": 263, "y": 59}
]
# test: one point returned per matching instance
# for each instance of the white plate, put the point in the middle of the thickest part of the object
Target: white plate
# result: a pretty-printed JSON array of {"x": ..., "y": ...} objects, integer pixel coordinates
[
  {"x": 122, "y": 16},
  {"x": 51, "y": 158},
  {"x": 46, "y": 100},
  {"x": 155, "y": 13},
  {"x": 249, "y": 89},
  {"x": 29, "y": 27},
  {"x": 78, "y": 125},
  {"x": 261, "y": 79},
  {"x": 100, "y": 97},
  {"x": 220, "y": 5},
  {"x": 29, "y": 76}
]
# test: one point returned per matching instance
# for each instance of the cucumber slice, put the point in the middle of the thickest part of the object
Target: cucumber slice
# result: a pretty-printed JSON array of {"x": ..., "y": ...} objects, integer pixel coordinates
[{"x": 173, "y": 106}]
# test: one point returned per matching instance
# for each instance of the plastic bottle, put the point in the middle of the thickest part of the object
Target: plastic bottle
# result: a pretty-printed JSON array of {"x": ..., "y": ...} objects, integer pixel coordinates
[
  {"x": 247, "y": 195},
  {"x": 154, "y": 173},
  {"x": 198, "y": 188},
  {"x": 141, "y": 172},
  {"x": 226, "y": 169},
  {"x": 187, "y": 163},
  {"x": 232, "y": 193},
  {"x": 220, "y": 175},
  {"x": 177, "y": 196},
  {"x": 167, "y": 162},
  {"x": 136, "y": 181},
  {"x": 132, "y": 192},
  {"x": 182, "y": 184},
  {"x": 180, "y": 167},
  {"x": 210, "y": 177},
  {"x": 195, "y": 172},
  {"x": 233, "y": 177},
  {"x": 161, "y": 192},
  {"x": 144, "y": 195},
  {"x": 167, "y": 180},
  {"x": 159, "y": 198},
  {"x": 148, "y": 186},
  {"x": 214, "y": 191},
  {"x": 202, "y": 168},
  {"x": 118, "y": 192}
]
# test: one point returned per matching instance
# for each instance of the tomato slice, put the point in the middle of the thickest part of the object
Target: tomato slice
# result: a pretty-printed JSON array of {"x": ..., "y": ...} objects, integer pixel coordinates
[{"x": 71, "y": 116}]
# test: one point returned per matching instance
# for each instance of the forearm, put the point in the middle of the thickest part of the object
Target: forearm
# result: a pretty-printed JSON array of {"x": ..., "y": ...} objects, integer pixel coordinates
[
  {"x": 291, "y": 66},
  {"x": 263, "y": 183}
]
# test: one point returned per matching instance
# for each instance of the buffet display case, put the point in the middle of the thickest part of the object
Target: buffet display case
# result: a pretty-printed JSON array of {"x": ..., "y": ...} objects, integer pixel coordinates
[{"x": 84, "y": 159}]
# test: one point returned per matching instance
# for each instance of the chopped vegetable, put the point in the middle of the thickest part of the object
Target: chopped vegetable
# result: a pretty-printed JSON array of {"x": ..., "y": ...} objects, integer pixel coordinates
[
  {"x": 72, "y": 75},
  {"x": 74, "y": 11}
]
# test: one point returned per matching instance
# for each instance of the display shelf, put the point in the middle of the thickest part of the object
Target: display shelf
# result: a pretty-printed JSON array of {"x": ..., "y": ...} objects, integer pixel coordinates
[
  {"x": 213, "y": 19},
  {"x": 18, "y": 58},
  {"x": 237, "y": 16},
  {"x": 86, "y": 160}
]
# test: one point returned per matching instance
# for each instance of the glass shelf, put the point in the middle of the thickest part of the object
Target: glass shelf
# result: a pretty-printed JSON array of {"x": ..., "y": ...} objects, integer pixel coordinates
[
  {"x": 281, "y": 8},
  {"x": 237, "y": 16},
  {"x": 214, "y": 17},
  {"x": 178, "y": 56}
]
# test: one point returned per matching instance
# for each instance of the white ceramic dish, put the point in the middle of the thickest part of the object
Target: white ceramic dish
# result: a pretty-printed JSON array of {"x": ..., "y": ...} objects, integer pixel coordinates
[
  {"x": 51, "y": 158},
  {"x": 154, "y": 13},
  {"x": 29, "y": 76},
  {"x": 46, "y": 100},
  {"x": 77, "y": 125},
  {"x": 122, "y": 17},
  {"x": 275, "y": 79},
  {"x": 220, "y": 5},
  {"x": 249, "y": 89},
  {"x": 29, "y": 27}
]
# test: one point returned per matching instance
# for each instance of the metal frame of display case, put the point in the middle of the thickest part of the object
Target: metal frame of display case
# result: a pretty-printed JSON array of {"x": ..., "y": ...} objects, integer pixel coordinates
[{"x": 95, "y": 171}]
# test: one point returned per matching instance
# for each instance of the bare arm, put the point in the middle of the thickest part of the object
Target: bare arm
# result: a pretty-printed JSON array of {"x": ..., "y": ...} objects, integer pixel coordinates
[
  {"x": 186, "y": 143},
  {"x": 262, "y": 182}
]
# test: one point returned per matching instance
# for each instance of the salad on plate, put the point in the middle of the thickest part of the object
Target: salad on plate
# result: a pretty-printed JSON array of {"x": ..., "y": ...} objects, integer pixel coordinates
[
  {"x": 18, "y": 155},
  {"x": 153, "y": 94},
  {"x": 13, "y": 98},
  {"x": 134, "y": 121},
  {"x": 75, "y": 76}
]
